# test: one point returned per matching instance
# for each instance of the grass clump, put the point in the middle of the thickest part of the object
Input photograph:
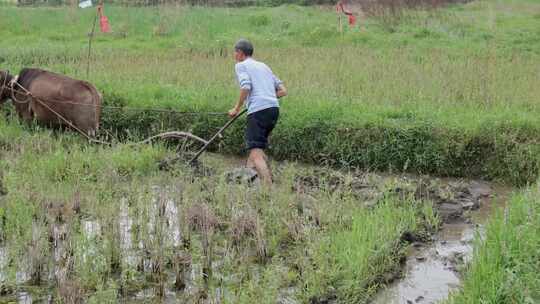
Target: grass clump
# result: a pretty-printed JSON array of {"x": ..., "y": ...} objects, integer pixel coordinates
[
  {"x": 506, "y": 264},
  {"x": 350, "y": 264}
]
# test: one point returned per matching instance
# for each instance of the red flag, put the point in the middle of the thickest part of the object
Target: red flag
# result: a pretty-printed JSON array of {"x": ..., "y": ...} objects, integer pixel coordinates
[
  {"x": 103, "y": 21},
  {"x": 352, "y": 19}
]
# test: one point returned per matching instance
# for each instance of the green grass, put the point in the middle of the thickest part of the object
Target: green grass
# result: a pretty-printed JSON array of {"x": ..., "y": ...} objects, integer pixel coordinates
[
  {"x": 451, "y": 92},
  {"x": 350, "y": 262},
  {"x": 428, "y": 95},
  {"x": 506, "y": 263}
]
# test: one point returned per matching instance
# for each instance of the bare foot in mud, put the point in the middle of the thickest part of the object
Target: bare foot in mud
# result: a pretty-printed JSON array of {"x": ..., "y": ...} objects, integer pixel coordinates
[{"x": 243, "y": 175}]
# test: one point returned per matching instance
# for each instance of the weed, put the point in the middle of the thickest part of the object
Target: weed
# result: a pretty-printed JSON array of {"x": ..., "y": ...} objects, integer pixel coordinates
[{"x": 505, "y": 264}]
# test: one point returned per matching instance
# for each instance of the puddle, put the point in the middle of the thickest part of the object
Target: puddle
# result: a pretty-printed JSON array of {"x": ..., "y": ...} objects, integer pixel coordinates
[
  {"x": 91, "y": 228},
  {"x": 24, "y": 298},
  {"x": 431, "y": 270},
  {"x": 125, "y": 223},
  {"x": 4, "y": 259},
  {"x": 170, "y": 215},
  {"x": 287, "y": 296},
  {"x": 60, "y": 253}
]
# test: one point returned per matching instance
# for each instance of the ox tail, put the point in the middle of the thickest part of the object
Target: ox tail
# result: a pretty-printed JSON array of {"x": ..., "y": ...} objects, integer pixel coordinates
[{"x": 96, "y": 102}]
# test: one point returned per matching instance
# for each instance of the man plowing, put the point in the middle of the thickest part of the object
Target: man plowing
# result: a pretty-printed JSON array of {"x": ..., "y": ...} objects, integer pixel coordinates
[{"x": 259, "y": 91}]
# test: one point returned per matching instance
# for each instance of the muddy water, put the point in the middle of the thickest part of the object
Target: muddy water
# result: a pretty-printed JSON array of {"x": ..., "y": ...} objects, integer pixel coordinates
[{"x": 431, "y": 271}]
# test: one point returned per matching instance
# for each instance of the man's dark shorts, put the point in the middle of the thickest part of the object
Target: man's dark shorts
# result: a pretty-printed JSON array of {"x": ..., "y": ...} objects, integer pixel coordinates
[{"x": 259, "y": 126}]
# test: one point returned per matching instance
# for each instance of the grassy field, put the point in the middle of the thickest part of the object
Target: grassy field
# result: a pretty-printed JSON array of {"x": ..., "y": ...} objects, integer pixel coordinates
[
  {"x": 452, "y": 92},
  {"x": 431, "y": 93}
]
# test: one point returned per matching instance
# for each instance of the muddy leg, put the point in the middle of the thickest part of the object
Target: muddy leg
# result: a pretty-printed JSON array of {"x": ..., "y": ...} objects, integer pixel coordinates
[
  {"x": 257, "y": 160},
  {"x": 250, "y": 164}
]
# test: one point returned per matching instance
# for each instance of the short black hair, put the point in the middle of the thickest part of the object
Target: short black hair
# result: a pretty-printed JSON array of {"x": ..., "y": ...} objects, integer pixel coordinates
[{"x": 245, "y": 46}]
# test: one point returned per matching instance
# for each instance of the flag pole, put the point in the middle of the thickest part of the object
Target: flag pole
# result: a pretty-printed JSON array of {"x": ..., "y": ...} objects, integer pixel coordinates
[
  {"x": 90, "y": 44},
  {"x": 339, "y": 10}
]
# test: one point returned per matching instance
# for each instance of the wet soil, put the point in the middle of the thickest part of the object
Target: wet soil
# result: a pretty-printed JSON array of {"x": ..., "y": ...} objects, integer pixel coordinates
[
  {"x": 430, "y": 272},
  {"x": 433, "y": 269}
]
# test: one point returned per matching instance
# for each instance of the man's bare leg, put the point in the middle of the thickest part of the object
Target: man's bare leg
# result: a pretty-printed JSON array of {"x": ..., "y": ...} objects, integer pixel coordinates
[{"x": 257, "y": 160}]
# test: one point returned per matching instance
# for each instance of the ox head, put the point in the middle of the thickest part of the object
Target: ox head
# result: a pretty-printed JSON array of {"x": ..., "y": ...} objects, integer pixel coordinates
[{"x": 5, "y": 90}]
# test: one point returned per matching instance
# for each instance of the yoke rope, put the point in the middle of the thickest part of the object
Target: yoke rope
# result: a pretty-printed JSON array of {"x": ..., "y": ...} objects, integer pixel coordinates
[
  {"x": 165, "y": 135},
  {"x": 122, "y": 107},
  {"x": 69, "y": 123}
]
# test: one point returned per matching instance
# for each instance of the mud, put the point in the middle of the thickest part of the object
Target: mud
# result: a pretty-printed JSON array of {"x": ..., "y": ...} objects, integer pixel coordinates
[
  {"x": 432, "y": 266},
  {"x": 241, "y": 175},
  {"x": 430, "y": 271}
]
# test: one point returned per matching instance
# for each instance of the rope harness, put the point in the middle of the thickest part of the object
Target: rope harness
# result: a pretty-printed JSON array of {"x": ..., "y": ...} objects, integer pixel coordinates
[
  {"x": 30, "y": 97},
  {"x": 27, "y": 94},
  {"x": 120, "y": 107}
]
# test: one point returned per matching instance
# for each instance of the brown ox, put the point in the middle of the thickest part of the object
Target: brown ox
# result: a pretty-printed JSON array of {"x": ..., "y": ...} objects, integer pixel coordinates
[{"x": 75, "y": 100}]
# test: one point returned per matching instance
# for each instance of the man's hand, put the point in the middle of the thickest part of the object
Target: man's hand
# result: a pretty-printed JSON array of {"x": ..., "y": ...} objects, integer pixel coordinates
[
  {"x": 244, "y": 93},
  {"x": 233, "y": 112},
  {"x": 281, "y": 91}
]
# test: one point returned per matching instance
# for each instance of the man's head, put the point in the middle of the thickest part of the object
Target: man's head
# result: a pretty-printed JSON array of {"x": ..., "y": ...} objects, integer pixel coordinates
[{"x": 242, "y": 50}]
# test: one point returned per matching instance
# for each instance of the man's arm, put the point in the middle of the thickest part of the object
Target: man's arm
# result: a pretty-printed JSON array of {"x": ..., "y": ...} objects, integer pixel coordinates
[
  {"x": 281, "y": 91},
  {"x": 244, "y": 93},
  {"x": 245, "y": 87}
]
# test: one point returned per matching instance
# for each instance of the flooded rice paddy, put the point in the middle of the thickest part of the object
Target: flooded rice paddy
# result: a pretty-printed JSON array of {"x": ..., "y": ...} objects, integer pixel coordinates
[{"x": 162, "y": 249}]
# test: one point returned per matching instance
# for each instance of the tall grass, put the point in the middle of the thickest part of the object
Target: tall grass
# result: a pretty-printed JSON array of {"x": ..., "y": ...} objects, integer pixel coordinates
[
  {"x": 350, "y": 262},
  {"x": 451, "y": 92},
  {"x": 506, "y": 263},
  {"x": 461, "y": 83}
]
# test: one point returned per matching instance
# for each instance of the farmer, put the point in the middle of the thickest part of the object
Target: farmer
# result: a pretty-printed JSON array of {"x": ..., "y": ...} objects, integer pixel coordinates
[{"x": 261, "y": 88}]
